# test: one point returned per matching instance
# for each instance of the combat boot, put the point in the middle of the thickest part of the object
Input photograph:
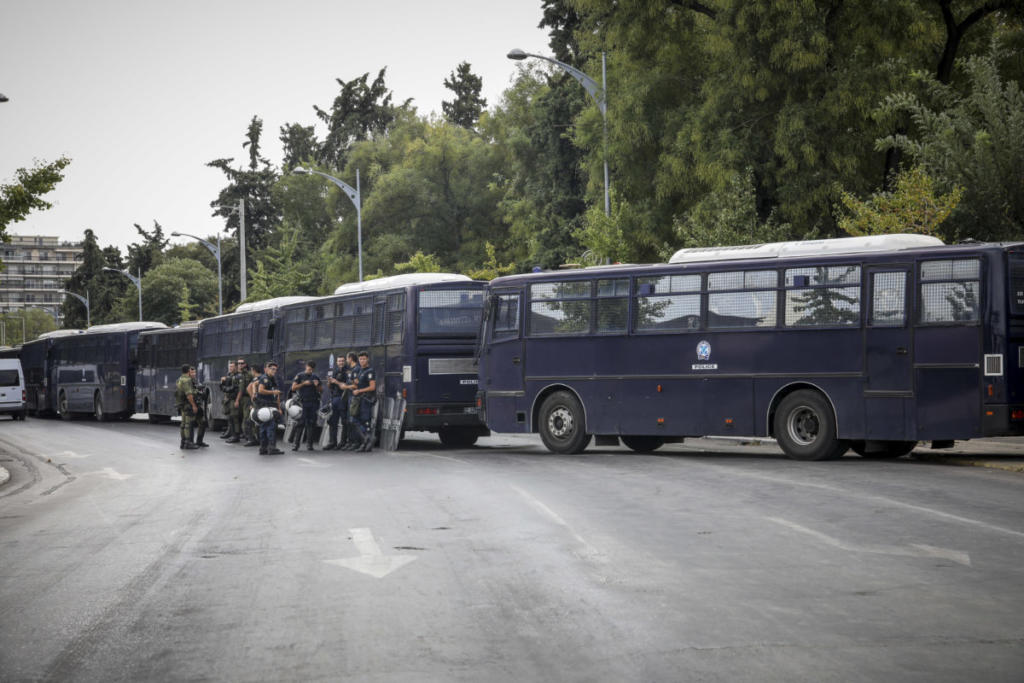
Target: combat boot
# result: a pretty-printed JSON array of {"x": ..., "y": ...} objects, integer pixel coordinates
[
  {"x": 187, "y": 445},
  {"x": 253, "y": 442},
  {"x": 234, "y": 439},
  {"x": 199, "y": 438},
  {"x": 273, "y": 449},
  {"x": 263, "y": 446}
]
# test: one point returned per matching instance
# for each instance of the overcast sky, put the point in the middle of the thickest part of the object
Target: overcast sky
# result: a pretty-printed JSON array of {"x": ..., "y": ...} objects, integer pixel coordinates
[{"x": 141, "y": 94}]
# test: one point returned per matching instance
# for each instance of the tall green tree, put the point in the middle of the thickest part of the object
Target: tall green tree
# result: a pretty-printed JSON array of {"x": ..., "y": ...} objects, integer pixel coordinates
[
  {"x": 254, "y": 185},
  {"x": 162, "y": 289},
  {"x": 145, "y": 255},
  {"x": 298, "y": 144},
  {"x": 464, "y": 110},
  {"x": 104, "y": 288},
  {"x": 26, "y": 325},
  {"x": 25, "y": 195},
  {"x": 359, "y": 112}
]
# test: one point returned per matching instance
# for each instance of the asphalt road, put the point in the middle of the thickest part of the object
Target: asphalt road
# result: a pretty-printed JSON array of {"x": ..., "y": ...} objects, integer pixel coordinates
[{"x": 121, "y": 559}]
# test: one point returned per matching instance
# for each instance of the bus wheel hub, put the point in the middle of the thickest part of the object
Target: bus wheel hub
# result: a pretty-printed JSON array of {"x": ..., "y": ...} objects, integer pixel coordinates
[
  {"x": 803, "y": 426},
  {"x": 560, "y": 423}
]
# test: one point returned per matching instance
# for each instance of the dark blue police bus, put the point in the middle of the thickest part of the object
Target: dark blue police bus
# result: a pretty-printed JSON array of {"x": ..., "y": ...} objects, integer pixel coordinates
[
  {"x": 94, "y": 372},
  {"x": 868, "y": 343},
  {"x": 159, "y": 357},
  {"x": 249, "y": 332},
  {"x": 420, "y": 330},
  {"x": 38, "y": 365}
]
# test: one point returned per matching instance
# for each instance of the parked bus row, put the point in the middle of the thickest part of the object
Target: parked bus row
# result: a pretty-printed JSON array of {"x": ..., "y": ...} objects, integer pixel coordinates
[{"x": 871, "y": 343}]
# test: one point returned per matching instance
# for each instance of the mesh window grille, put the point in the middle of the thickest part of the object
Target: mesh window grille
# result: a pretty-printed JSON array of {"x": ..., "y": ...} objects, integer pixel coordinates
[
  {"x": 657, "y": 313},
  {"x": 888, "y": 299}
]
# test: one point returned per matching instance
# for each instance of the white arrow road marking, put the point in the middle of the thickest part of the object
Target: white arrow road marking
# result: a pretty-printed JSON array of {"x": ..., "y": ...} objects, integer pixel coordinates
[
  {"x": 72, "y": 454},
  {"x": 110, "y": 473},
  {"x": 914, "y": 550},
  {"x": 371, "y": 561},
  {"x": 312, "y": 463}
]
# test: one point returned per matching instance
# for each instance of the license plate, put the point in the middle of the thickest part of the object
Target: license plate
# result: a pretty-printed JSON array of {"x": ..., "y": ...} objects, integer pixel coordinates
[{"x": 470, "y": 411}]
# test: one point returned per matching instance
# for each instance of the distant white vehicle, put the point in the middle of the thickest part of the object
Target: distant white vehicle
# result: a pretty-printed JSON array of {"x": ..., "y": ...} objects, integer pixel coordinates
[{"x": 12, "y": 388}]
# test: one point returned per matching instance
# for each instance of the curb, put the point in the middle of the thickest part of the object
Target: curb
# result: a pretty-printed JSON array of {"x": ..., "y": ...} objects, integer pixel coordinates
[
  {"x": 967, "y": 461},
  {"x": 5, "y": 476}
]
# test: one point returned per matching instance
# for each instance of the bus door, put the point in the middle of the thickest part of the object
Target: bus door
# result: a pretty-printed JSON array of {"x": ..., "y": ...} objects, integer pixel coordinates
[
  {"x": 888, "y": 355},
  {"x": 503, "y": 364}
]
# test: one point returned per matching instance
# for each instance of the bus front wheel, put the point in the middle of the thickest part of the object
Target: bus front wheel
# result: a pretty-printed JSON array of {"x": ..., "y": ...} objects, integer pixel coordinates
[
  {"x": 562, "y": 424},
  {"x": 643, "y": 444},
  {"x": 806, "y": 429},
  {"x": 457, "y": 438}
]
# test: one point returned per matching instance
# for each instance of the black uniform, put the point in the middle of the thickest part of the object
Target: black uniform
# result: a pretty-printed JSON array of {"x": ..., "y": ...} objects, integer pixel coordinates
[
  {"x": 364, "y": 414},
  {"x": 309, "y": 398},
  {"x": 339, "y": 407}
]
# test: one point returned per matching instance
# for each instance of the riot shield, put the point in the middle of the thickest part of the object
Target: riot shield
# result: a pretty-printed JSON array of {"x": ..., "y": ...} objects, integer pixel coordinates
[{"x": 391, "y": 422}]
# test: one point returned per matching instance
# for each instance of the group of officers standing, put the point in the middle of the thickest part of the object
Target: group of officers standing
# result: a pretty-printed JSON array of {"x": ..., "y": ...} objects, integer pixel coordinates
[{"x": 252, "y": 405}]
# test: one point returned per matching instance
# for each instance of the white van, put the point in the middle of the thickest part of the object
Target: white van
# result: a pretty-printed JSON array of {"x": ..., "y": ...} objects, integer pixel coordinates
[{"x": 12, "y": 388}]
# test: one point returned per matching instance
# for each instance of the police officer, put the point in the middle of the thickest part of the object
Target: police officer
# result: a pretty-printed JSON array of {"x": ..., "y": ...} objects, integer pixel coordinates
[
  {"x": 366, "y": 391},
  {"x": 307, "y": 388},
  {"x": 185, "y": 402},
  {"x": 201, "y": 394},
  {"x": 352, "y": 439},
  {"x": 338, "y": 383},
  {"x": 268, "y": 396},
  {"x": 227, "y": 387},
  {"x": 243, "y": 401}
]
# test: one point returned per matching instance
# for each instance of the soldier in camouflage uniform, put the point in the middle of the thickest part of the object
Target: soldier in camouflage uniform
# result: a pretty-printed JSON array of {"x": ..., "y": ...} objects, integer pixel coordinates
[
  {"x": 244, "y": 403},
  {"x": 202, "y": 398},
  {"x": 185, "y": 402}
]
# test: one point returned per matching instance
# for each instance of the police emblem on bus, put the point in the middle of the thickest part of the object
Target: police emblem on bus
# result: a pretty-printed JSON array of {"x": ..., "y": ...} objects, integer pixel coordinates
[{"x": 703, "y": 351}]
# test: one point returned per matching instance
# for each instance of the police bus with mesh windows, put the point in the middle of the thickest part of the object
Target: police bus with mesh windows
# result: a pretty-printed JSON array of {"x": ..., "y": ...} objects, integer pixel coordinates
[{"x": 871, "y": 344}]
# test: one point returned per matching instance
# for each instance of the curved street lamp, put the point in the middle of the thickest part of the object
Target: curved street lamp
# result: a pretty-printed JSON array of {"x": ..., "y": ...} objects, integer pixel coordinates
[
  {"x": 598, "y": 92},
  {"x": 137, "y": 281},
  {"x": 351, "y": 193},
  {"x": 215, "y": 250},
  {"x": 84, "y": 300}
]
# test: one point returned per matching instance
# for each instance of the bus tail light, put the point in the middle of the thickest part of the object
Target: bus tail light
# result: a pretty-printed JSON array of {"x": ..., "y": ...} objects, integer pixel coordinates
[
  {"x": 659, "y": 388},
  {"x": 661, "y": 422},
  {"x": 426, "y": 411},
  {"x": 405, "y": 393},
  {"x": 1017, "y": 414},
  {"x": 991, "y": 390}
]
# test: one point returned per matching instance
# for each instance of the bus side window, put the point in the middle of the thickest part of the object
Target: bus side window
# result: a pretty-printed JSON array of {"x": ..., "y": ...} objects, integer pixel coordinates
[
  {"x": 888, "y": 299},
  {"x": 506, "y": 317},
  {"x": 950, "y": 291}
]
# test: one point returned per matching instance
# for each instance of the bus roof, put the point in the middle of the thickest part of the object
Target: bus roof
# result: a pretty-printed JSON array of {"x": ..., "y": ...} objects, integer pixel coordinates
[
  {"x": 403, "y": 280},
  {"x": 251, "y": 306},
  {"x": 839, "y": 245},
  {"x": 124, "y": 327},
  {"x": 57, "y": 333}
]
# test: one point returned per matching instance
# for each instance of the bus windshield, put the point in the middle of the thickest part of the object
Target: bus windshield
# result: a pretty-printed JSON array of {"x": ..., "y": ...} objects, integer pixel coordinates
[{"x": 450, "y": 312}]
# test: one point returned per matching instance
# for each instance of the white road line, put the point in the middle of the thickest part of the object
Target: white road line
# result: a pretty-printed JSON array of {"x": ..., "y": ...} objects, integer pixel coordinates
[
  {"x": 536, "y": 504},
  {"x": 914, "y": 550}
]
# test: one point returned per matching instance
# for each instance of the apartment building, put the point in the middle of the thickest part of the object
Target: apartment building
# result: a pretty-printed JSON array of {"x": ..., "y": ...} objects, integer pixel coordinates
[{"x": 35, "y": 271}]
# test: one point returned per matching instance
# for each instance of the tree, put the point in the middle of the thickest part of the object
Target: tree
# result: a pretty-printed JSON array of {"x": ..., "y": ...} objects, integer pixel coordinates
[
  {"x": 33, "y": 321},
  {"x": 359, "y": 112},
  {"x": 419, "y": 263},
  {"x": 465, "y": 109},
  {"x": 104, "y": 288},
  {"x": 279, "y": 272},
  {"x": 729, "y": 217},
  {"x": 186, "y": 309},
  {"x": 254, "y": 185},
  {"x": 147, "y": 254},
  {"x": 162, "y": 289},
  {"x": 299, "y": 144},
  {"x": 973, "y": 140},
  {"x": 17, "y": 200},
  {"x": 913, "y": 205}
]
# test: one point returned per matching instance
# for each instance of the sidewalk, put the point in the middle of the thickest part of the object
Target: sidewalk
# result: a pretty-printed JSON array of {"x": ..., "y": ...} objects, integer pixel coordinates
[{"x": 999, "y": 454}]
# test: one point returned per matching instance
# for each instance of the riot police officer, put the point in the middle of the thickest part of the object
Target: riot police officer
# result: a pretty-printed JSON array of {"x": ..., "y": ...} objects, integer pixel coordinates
[
  {"x": 307, "y": 388},
  {"x": 366, "y": 392},
  {"x": 339, "y": 384},
  {"x": 201, "y": 393},
  {"x": 268, "y": 396},
  {"x": 185, "y": 402},
  {"x": 243, "y": 402},
  {"x": 227, "y": 387}
]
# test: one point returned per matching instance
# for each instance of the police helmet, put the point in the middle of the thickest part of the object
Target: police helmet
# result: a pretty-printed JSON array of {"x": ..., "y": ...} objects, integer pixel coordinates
[
  {"x": 294, "y": 410},
  {"x": 265, "y": 414}
]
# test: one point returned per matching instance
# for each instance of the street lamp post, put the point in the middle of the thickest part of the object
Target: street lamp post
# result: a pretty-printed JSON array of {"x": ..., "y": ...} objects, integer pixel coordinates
[
  {"x": 137, "y": 281},
  {"x": 240, "y": 210},
  {"x": 352, "y": 194},
  {"x": 84, "y": 300},
  {"x": 598, "y": 92},
  {"x": 215, "y": 250}
]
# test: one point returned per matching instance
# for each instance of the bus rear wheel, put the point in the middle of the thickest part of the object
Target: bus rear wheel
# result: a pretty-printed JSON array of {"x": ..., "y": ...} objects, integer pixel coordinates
[
  {"x": 457, "y": 438},
  {"x": 97, "y": 408},
  {"x": 62, "y": 406},
  {"x": 806, "y": 429},
  {"x": 891, "y": 450},
  {"x": 643, "y": 444},
  {"x": 562, "y": 425}
]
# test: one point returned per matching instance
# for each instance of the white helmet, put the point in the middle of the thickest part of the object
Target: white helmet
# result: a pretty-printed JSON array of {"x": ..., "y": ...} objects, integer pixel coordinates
[
  {"x": 265, "y": 414},
  {"x": 294, "y": 410}
]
